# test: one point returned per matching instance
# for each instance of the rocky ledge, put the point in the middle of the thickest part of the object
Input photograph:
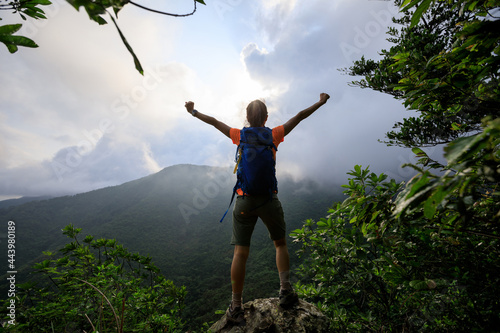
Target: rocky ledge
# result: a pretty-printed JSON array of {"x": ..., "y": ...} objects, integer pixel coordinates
[{"x": 265, "y": 315}]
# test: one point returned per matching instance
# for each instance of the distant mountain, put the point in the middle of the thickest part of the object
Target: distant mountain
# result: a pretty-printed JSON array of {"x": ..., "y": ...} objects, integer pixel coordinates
[
  {"x": 16, "y": 202},
  {"x": 173, "y": 216}
]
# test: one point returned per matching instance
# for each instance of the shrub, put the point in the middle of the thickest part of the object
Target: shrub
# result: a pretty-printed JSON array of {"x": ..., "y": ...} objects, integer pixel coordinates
[
  {"x": 96, "y": 285},
  {"x": 424, "y": 256}
]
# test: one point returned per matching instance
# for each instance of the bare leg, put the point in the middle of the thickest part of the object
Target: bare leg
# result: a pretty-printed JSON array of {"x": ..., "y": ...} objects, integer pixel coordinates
[
  {"x": 235, "y": 313},
  {"x": 238, "y": 266},
  {"x": 282, "y": 257},
  {"x": 288, "y": 297}
]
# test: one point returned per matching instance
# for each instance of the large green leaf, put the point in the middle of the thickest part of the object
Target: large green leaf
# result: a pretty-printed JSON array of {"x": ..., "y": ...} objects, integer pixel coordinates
[
  {"x": 12, "y": 42},
  {"x": 407, "y": 4},
  {"x": 433, "y": 201},
  {"x": 9, "y": 29},
  {"x": 419, "y": 12}
]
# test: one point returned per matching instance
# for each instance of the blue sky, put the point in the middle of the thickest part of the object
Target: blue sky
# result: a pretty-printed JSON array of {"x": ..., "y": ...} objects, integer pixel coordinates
[{"x": 76, "y": 116}]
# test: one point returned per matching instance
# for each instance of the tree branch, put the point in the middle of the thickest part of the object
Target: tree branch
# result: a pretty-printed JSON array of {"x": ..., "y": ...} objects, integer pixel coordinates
[{"x": 164, "y": 13}]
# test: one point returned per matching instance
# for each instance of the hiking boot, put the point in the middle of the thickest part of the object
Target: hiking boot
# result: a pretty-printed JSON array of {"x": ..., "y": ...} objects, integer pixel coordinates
[
  {"x": 288, "y": 298},
  {"x": 236, "y": 315}
]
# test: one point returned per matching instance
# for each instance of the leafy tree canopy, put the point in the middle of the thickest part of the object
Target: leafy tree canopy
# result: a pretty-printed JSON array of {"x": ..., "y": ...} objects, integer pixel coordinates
[{"x": 444, "y": 65}]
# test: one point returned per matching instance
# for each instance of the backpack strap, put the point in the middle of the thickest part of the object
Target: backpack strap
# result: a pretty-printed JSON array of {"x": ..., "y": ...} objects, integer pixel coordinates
[{"x": 230, "y": 203}]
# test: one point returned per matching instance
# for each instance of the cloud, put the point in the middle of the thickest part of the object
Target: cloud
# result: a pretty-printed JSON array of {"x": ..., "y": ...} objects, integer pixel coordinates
[
  {"x": 76, "y": 115},
  {"x": 77, "y": 102},
  {"x": 272, "y": 17},
  {"x": 79, "y": 169},
  {"x": 305, "y": 59}
]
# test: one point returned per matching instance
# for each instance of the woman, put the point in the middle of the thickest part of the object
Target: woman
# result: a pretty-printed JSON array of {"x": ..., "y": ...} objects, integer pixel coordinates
[{"x": 248, "y": 208}]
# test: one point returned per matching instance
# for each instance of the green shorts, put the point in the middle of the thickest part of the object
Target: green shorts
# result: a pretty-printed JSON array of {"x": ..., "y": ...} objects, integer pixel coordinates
[{"x": 248, "y": 209}]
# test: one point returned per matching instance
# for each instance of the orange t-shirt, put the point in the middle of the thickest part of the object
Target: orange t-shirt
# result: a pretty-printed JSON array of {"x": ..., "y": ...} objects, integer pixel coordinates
[{"x": 278, "y": 137}]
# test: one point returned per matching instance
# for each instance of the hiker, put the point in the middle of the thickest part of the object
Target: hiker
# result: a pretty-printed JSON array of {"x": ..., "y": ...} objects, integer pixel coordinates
[{"x": 248, "y": 208}]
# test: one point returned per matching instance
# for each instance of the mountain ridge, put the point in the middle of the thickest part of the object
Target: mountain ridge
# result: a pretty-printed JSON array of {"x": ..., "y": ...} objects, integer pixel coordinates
[
  {"x": 22, "y": 200},
  {"x": 173, "y": 216}
]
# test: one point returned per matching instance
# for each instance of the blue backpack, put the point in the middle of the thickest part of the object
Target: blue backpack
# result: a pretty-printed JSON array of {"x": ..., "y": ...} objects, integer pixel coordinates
[{"x": 256, "y": 173}]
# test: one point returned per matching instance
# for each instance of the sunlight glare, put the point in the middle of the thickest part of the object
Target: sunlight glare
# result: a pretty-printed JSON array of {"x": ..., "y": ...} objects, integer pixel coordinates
[{"x": 233, "y": 95}]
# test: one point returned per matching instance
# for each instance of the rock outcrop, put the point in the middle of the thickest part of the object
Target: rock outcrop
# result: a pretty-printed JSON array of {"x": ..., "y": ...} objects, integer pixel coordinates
[{"x": 266, "y": 316}]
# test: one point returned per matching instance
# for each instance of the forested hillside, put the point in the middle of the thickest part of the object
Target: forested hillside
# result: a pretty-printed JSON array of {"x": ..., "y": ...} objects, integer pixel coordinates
[
  {"x": 172, "y": 216},
  {"x": 16, "y": 202}
]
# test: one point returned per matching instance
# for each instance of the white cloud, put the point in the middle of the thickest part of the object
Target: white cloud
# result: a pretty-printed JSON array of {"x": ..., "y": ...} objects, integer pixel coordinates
[
  {"x": 78, "y": 87},
  {"x": 273, "y": 16},
  {"x": 77, "y": 116},
  {"x": 305, "y": 59},
  {"x": 73, "y": 169}
]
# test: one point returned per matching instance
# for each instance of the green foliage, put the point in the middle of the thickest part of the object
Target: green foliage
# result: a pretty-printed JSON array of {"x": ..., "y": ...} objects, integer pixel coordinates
[
  {"x": 347, "y": 269},
  {"x": 23, "y": 8},
  {"x": 444, "y": 64},
  {"x": 481, "y": 6},
  {"x": 466, "y": 196},
  {"x": 422, "y": 256},
  {"x": 96, "y": 285},
  {"x": 12, "y": 41},
  {"x": 27, "y": 8}
]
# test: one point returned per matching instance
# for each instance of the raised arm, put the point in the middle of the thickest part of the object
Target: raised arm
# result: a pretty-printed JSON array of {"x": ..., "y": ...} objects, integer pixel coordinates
[
  {"x": 294, "y": 121},
  {"x": 208, "y": 119}
]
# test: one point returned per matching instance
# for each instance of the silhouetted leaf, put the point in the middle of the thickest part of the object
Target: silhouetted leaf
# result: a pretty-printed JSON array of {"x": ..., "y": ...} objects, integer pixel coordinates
[{"x": 137, "y": 63}]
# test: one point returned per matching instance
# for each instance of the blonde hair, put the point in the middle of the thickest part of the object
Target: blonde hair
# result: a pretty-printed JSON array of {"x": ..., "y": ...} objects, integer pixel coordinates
[{"x": 256, "y": 113}]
